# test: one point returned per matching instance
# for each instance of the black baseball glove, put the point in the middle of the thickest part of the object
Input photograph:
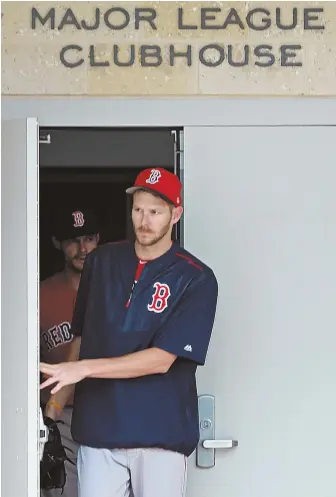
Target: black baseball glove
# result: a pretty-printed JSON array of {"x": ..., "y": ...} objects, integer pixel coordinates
[{"x": 52, "y": 467}]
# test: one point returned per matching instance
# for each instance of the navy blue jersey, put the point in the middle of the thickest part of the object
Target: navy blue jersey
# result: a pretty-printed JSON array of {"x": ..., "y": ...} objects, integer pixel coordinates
[{"x": 172, "y": 307}]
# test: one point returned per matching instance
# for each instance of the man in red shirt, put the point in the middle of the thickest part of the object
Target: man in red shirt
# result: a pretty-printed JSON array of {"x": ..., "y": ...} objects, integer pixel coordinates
[{"x": 76, "y": 235}]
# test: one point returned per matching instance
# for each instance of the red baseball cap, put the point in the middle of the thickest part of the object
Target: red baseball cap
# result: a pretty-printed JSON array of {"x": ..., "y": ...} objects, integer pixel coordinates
[{"x": 160, "y": 181}]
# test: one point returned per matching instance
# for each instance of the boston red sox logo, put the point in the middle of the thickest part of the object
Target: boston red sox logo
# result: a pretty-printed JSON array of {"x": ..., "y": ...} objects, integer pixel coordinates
[
  {"x": 78, "y": 219},
  {"x": 154, "y": 177},
  {"x": 159, "y": 298}
]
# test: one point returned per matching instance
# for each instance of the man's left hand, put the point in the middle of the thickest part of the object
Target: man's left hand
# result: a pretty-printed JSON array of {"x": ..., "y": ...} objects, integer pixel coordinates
[{"x": 65, "y": 373}]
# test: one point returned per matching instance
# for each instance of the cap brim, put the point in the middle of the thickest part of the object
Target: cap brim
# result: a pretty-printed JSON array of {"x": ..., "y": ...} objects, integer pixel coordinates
[
  {"x": 68, "y": 235},
  {"x": 133, "y": 189}
]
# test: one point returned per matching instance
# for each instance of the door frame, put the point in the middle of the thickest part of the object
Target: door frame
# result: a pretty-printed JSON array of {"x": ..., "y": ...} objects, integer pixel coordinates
[
  {"x": 20, "y": 396},
  {"x": 171, "y": 112}
]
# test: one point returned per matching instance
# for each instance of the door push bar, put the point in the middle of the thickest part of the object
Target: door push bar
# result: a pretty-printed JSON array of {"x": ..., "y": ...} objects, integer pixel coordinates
[{"x": 205, "y": 451}]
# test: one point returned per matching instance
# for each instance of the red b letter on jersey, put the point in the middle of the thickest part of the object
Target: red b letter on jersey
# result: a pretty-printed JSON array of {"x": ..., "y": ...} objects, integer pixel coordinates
[{"x": 160, "y": 298}]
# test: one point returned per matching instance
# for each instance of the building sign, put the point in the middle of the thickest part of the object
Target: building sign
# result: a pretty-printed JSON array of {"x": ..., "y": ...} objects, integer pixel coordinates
[{"x": 140, "y": 48}]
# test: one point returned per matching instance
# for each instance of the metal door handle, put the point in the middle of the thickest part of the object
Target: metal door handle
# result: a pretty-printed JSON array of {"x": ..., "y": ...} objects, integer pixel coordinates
[
  {"x": 206, "y": 448},
  {"x": 219, "y": 444}
]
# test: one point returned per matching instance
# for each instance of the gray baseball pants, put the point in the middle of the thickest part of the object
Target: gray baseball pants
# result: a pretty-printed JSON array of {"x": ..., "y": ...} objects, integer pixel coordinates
[
  {"x": 70, "y": 489},
  {"x": 131, "y": 473}
]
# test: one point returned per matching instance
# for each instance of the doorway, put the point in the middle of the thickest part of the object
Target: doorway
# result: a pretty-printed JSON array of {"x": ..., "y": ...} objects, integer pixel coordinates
[{"x": 93, "y": 167}]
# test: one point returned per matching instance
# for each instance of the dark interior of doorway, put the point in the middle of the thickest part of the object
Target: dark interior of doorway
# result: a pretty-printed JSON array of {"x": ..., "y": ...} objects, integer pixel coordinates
[{"x": 92, "y": 167}]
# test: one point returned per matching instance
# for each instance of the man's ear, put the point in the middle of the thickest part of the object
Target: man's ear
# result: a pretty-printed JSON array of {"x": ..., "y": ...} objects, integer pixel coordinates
[
  {"x": 56, "y": 243},
  {"x": 98, "y": 237},
  {"x": 177, "y": 213}
]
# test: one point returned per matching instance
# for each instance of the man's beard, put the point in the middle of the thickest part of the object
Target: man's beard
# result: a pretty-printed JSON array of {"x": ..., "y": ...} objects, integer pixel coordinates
[
  {"x": 156, "y": 237},
  {"x": 73, "y": 267}
]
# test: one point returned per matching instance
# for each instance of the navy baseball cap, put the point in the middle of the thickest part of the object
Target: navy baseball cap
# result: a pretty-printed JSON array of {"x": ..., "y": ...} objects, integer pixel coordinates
[{"x": 71, "y": 223}]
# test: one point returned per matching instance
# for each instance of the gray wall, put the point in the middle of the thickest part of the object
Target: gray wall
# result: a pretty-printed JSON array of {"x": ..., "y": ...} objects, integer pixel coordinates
[{"x": 172, "y": 111}]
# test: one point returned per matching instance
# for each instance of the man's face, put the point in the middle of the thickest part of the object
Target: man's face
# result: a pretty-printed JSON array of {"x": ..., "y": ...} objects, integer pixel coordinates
[
  {"x": 76, "y": 249},
  {"x": 153, "y": 218}
]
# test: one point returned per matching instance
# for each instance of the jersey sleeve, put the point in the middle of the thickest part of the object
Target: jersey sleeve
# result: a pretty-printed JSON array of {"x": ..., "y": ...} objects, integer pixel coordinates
[
  {"x": 82, "y": 297},
  {"x": 188, "y": 331}
]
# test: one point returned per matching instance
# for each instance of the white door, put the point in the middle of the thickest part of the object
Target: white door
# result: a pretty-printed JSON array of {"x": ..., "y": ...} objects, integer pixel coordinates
[
  {"x": 19, "y": 309},
  {"x": 261, "y": 211}
]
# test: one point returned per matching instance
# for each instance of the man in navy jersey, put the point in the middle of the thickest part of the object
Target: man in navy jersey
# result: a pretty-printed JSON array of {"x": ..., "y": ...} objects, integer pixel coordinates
[{"x": 143, "y": 320}]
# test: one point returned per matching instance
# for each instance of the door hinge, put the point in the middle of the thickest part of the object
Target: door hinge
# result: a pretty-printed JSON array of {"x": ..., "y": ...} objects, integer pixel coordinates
[
  {"x": 173, "y": 132},
  {"x": 176, "y": 134},
  {"x": 45, "y": 139}
]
